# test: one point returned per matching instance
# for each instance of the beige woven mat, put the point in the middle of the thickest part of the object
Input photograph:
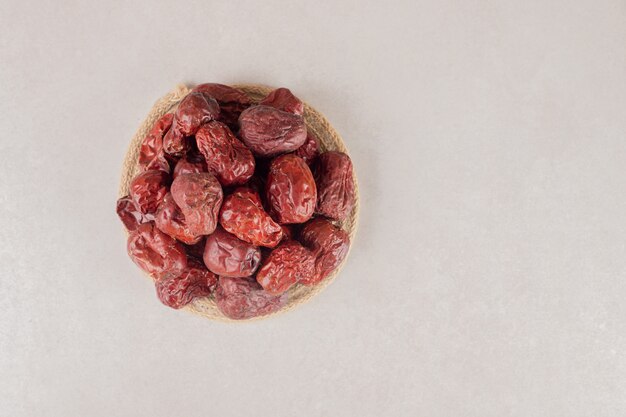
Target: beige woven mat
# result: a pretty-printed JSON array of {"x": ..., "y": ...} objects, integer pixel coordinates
[{"x": 315, "y": 121}]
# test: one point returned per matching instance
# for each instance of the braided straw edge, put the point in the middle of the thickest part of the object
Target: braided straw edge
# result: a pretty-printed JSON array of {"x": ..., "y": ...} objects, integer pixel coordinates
[{"x": 328, "y": 138}]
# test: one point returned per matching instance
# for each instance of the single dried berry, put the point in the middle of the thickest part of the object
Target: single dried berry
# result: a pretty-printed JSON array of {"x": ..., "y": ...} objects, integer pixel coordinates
[
  {"x": 199, "y": 196},
  {"x": 175, "y": 143},
  {"x": 309, "y": 149},
  {"x": 147, "y": 191},
  {"x": 329, "y": 245},
  {"x": 170, "y": 220},
  {"x": 155, "y": 252},
  {"x": 289, "y": 263},
  {"x": 232, "y": 101},
  {"x": 335, "y": 185},
  {"x": 227, "y": 157},
  {"x": 129, "y": 214},
  {"x": 228, "y": 256},
  {"x": 243, "y": 215},
  {"x": 283, "y": 99},
  {"x": 151, "y": 154},
  {"x": 268, "y": 131},
  {"x": 186, "y": 166},
  {"x": 290, "y": 189},
  {"x": 243, "y": 298},
  {"x": 194, "y": 282},
  {"x": 195, "y": 110}
]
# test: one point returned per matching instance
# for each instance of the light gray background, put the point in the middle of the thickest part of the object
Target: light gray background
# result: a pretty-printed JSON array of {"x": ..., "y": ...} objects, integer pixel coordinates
[{"x": 488, "y": 274}]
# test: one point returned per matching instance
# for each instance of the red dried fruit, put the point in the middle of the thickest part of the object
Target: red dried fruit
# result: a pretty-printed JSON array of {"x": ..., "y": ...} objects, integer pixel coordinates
[
  {"x": 185, "y": 166},
  {"x": 155, "y": 252},
  {"x": 129, "y": 214},
  {"x": 227, "y": 157},
  {"x": 243, "y": 298},
  {"x": 199, "y": 196},
  {"x": 147, "y": 191},
  {"x": 193, "y": 111},
  {"x": 268, "y": 131},
  {"x": 335, "y": 185},
  {"x": 328, "y": 243},
  {"x": 290, "y": 189},
  {"x": 175, "y": 143},
  {"x": 232, "y": 101},
  {"x": 228, "y": 256},
  {"x": 243, "y": 215},
  {"x": 194, "y": 282},
  {"x": 283, "y": 99},
  {"x": 170, "y": 220},
  {"x": 151, "y": 154},
  {"x": 289, "y": 263},
  {"x": 309, "y": 149}
]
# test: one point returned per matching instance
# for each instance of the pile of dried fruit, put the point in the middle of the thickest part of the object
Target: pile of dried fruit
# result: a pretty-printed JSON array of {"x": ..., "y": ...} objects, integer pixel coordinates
[{"x": 235, "y": 201}]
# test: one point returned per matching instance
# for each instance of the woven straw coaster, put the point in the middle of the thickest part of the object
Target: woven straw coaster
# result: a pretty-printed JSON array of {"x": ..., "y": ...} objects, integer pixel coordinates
[{"x": 328, "y": 138}]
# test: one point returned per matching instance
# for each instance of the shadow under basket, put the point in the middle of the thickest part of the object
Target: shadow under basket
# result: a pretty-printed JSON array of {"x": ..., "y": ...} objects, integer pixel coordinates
[{"x": 329, "y": 140}]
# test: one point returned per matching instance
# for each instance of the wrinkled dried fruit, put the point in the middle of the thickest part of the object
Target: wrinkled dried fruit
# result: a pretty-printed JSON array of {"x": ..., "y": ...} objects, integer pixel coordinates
[
  {"x": 290, "y": 189},
  {"x": 194, "y": 282},
  {"x": 268, "y": 131},
  {"x": 155, "y": 252},
  {"x": 193, "y": 111},
  {"x": 175, "y": 143},
  {"x": 335, "y": 185},
  {"x": 329, "y": 245},
  {"x": 289, "y": 263},
  {"x": 147, "y": 191},
  {"x": 232, "y": 101},
  {"x": 185, "y": 166},
  {"x": 309, "y": 149},
  {"x": 283, "y": 99},
  {"x": 151, "y": 154},
  {"x": 129, "y": 214},
  {"x": 243, "y": 298},
  {"x": 243, "y": 215},
  {"x": 199, "y": 196},
  {"x": 170, "y": 220},
  {"x": 227, "y": 157},
  {"x": 228, "y": 256}
]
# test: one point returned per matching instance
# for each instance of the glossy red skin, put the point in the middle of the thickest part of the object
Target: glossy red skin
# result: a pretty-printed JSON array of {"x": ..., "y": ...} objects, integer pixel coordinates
[
  {"x": 155, "y": 252},
  {"x": 335, "y": 185},
  {"x": 289, "y": 263},
  {"x": 242, "y": 214},
  {"x": 243, "y": 298},
  {"x": 199, "y": 196},
  {"x": 195, "y": 110},
  {"x": 228, "y": 256},
  {"x": 283, "y": 99},
  {"x": 151, "y": 154},
  {"x": 194, "y": 282},
  {"x": 227, "y": 157},
  {"x": 147, "y": 191},
  {"x": 129, "y": 214},
  {"x": 170, "y": 220},
  {"x": 328, "y": 243},
  {"x": 184, "y": 166},
  {"x": 268, "y": 131},
  {"x": 175, "y": 143},
  {"x": 232, "y": 101},
  {"x": 290, "y": 189},
  {"x": 309, "y": 149}
]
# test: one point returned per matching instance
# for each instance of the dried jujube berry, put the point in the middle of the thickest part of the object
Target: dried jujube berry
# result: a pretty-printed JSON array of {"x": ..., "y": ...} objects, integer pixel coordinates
[
  {"x": 226, "y": 156},
  {"x": 231, "y": 101},
  {"x": 283, "y": 99},
  {"x": 228, "y": 256},
  {"x": 193, "y": 111},
  {"x": 243, "y": 298},
  {"x": 199, "y": 196},
  {"x": 170, "y": 220},
  {"x": 309, "y": 149},
  {"x": 328, "y": 243},
  {"x": 287, "y": 264},
  {"x": 148, "y": 190},
  {"x": 268, "y": 131},
  {"x": 194, "y": 282},
  {"x": 242, "y": 214},
  {"x": 129, "y": 214},
  {"x": 151, "y": 154},
  {"x": 155, "y": 252},
  {"x": 335, "y": 185},
  {"x": 290, "y": 190},
  {"x": 185, "y": 166}
]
